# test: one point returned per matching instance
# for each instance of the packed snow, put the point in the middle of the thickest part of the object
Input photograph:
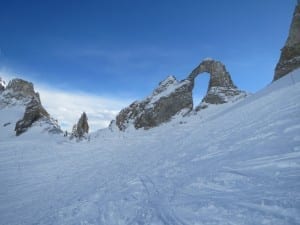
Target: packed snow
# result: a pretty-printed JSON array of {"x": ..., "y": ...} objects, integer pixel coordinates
[{"x": 236, "y": 163}]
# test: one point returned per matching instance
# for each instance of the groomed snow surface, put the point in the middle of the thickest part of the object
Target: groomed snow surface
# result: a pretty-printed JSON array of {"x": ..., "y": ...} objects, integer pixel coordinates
[{"x": 231, "y": 164}]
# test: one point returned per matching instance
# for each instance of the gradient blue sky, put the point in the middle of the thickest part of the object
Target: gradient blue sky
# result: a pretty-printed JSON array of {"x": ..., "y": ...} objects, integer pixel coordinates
[{"x": 124, "y": 48}]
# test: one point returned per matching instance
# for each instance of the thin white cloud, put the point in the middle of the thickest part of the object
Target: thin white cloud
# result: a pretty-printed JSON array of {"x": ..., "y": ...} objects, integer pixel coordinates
[{"x": 67, "y": 106}]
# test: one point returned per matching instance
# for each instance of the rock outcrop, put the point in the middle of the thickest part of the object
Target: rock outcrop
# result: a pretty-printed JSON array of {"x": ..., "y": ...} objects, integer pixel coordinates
[
  {"x": 34, "y": 111},
  {"x": 169, "y": 98},
  {"x": 19, "y": 92},
  {"x": 290, "y": 53},
  {"x": 82, "y": 127},
  {"x": 221, "y": 88},
  {"x": 172, "y": 97},
  {"x": 2, "y": 85}
]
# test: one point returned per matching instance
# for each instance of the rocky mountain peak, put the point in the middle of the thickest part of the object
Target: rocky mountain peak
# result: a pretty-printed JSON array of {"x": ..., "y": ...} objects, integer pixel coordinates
[
  {"x": 21, "y": 86},
  {"x": 294, "y": 32},
  {"x": 290, "y": 54},
  {"x": 172, "y": 97},
  {"x": 19, "y": 91}
]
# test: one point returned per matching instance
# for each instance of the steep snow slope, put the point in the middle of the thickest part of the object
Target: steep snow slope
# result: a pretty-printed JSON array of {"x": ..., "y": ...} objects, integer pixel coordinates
[
  {"x": 229, "y": 164},
  {"x": 8, "y": 119}
]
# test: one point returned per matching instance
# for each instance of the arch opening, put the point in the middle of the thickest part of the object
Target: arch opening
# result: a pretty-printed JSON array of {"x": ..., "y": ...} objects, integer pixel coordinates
[{"x": 201, "y": 83}]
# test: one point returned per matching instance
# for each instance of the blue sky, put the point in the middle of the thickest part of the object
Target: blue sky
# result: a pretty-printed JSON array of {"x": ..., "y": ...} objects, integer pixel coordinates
[{"x": 122, "y": 49}]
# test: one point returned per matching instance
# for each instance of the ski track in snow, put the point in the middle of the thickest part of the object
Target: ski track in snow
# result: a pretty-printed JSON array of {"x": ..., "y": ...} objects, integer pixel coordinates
[{"x": 230, "y": 164}]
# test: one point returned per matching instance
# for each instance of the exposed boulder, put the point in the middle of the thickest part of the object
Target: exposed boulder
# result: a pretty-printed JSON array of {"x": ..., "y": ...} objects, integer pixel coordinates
[
  {"x": 82, "y": 127},
  {"x": 290, "y": 53},
  {"x": 221, "y": 88},
  {"x": 170, "y": 97}
]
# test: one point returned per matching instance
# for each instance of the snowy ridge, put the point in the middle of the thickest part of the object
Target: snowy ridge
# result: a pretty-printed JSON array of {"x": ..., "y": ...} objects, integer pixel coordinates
[
  {"x": 236, "y": 163},
  {"x": 165, "y": 89}
]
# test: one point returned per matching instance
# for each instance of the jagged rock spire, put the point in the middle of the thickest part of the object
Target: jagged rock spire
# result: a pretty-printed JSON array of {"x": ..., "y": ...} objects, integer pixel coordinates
[
  {"x": 82, "y": 127},
  {"x": 290, "y": 53}
]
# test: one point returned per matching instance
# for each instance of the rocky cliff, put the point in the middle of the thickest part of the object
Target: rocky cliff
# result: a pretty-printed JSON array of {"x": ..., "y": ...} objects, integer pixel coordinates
[
  {"x": 290, "y": 53},
  {"x": 172, "y": 97},
  {"x": 21, "y": 93}
]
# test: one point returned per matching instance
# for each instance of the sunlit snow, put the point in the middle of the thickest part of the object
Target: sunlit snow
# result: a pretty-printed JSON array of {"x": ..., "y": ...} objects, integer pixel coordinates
[{"x": 237, "y": 163}]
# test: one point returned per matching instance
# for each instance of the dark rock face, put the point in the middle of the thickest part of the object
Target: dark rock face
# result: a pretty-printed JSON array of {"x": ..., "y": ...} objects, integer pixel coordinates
[
  {"x": 221, "y": 88},
  {"x": 169, "y": 98},
  {"x": 2, "y": 85},
  {"x": 82, "y": 127},
  {"x": 34, "y": 111},
  {"x": 290, "y": 53},
  {"x": 172, "y": 97}
]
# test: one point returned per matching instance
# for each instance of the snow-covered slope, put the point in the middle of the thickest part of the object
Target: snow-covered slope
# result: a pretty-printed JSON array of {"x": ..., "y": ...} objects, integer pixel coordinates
[{"x": 235, "y": 163}]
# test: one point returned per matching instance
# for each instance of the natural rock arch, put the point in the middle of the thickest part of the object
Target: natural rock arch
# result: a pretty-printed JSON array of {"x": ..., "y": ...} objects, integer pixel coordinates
[
  {"x": 173, "y": 97},
  {"x": 219, "y": 77},
  {"x": 220, "y": 86},
  {"x": 199, "y": 88}
]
